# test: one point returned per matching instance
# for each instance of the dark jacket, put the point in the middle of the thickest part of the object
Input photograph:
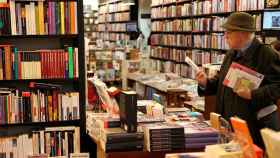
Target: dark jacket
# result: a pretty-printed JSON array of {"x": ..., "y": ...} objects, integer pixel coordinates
[{"x": 260, "y": 58}]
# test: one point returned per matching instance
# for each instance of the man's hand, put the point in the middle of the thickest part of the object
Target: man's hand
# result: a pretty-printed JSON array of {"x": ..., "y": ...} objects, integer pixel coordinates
[
  {"x": 244, "y": 93},
  {"x": 201, "y": 78}
]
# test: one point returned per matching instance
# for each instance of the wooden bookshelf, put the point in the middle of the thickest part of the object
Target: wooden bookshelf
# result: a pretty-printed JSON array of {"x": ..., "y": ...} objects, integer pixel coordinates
[
  {"x": 43, "y": 124},
  {"x": 51, "y": 41},
  {"x": 172, "y": 17},
  {"x": 39, "y": 36}
]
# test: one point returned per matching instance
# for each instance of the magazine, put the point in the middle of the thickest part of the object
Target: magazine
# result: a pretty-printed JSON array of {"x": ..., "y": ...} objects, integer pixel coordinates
[{"x": 241, "y": 76}]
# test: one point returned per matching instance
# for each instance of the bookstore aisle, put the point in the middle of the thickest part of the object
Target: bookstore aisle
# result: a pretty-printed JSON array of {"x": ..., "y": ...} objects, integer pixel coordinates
[{"x": 116, "y": 78}]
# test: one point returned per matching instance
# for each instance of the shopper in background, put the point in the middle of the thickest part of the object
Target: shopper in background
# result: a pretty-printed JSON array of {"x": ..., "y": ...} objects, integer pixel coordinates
[{"x": 255, "y": 106}]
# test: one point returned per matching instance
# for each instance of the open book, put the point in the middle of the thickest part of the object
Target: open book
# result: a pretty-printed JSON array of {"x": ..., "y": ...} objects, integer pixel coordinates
[{"x": 241, "y": 76}]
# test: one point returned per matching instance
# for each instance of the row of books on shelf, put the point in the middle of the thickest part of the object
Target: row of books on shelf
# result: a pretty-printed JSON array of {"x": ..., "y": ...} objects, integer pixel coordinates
[
  {"x": 121, "y": 27},
  {"x": 49, "y": 142},
  {"x": 172, "y": 40},
  {"x": 117, "y": 7},
  {"x": 39, "y": 18},
  {"x": 172, "y": 67},
  {"x": 38, "y": 106},
  {"x": 172, "y": 11},
  {"x": 116, "y": 17},
  {"x": 89, "y": 20},
  {"x": 102, "y": 10},
  {"x": 110, "y": 56},
  {"x": 214, "y": 40},
  {"x": 195, "y": 25},
  {"x": 172, "y": 25},
  {"x": 90, "y": 28},
  {"x": 38, "y": 64},
  {"x": 213, "y": 6},
  {"x": 113, "y": 36},
  {"x": 198, "y": 56},
  {"x": 102, "y": 27},
  {"x": 162, "y": 2},
  {"x": 208, "y": 6},
  {"x": 243, "y": 5}
]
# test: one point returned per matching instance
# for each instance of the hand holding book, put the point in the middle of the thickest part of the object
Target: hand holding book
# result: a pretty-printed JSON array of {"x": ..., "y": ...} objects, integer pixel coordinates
[
  {"x": 240, "y": 76},
  {"x": 192, "y": 64},
  {"x": 201, "y": 78},
  {"x": 244, "y": 92}
]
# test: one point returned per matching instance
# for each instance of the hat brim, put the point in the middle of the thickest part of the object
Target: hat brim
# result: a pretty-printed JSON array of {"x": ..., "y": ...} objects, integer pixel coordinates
[{"x": 236, "y": 28}]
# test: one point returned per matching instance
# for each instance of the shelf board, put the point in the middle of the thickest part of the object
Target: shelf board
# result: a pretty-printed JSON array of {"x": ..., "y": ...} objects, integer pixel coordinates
[
  {"x": 173, "y": 32},
  {"x": 112, "y": 22},
  {"x": 43, "y": 124},
  {"x": 209, "y": 49},
  {"x": 118, "y": 1},
  {"x": 170, "y": 46},
  {"x": 189, "y": 48},
  {"x": 162, "y": 5},
  {"x": 121, "y": 11},
  {"x": 184, "y": 1},
  {"x": 186, "y": 32},
  {"x": 204, "y": 15},
  {"x": 157, "y": 58},
  {"x": 40, "y": 36},
  {"x": 40, "y": 80},
  {"x": 171, "y": 3}
]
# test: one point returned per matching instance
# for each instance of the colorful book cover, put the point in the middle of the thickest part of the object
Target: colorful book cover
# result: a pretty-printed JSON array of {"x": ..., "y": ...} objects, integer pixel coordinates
[
  {"x": 243, "y": 137},
  {"x": 71, "y": 62}
]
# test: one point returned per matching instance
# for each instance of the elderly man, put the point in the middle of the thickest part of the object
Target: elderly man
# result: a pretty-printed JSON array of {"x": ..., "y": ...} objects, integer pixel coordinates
[{"x": 255, "y": 106}]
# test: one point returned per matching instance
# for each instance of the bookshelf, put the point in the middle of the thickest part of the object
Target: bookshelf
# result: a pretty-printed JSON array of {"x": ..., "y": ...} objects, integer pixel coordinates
[
  {"x": 41, "y": 42},
  {"x": 114, "y": 19},
  {"x": 91, "y": 26},
  {"x": 194, "y": 26}
]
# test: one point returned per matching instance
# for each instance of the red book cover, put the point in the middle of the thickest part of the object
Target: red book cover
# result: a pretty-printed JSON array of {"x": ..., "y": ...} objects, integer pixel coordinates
[
  {"x": 43, "y": 64},
  {"x": 66, "y": 65},
  {"x": 55, "y": 106},
  {"x": 47, "y": 64},
  {"x": 50, "y": 108},
  {"x": 55, "y": 67},
  {"x": 8, "y": 65}
]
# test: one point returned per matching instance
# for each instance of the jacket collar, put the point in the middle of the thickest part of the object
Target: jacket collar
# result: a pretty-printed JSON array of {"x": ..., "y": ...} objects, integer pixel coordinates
[{"x": 248, "y": 53}]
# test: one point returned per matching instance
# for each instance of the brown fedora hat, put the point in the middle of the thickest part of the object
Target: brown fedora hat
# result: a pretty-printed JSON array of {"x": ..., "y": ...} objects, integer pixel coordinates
[{"x": 240, "y": 21}]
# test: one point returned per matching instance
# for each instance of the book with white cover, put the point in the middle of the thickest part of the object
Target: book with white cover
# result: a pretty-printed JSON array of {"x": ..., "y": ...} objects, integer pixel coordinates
[
  {"x": 192, "y": 64},
  {"x": 241, "y": 76},
  {"x": 271, "y": 140}
]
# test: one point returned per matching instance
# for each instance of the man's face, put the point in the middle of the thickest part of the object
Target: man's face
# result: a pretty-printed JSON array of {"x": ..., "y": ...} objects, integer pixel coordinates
[{"x": 236, "y": 39}]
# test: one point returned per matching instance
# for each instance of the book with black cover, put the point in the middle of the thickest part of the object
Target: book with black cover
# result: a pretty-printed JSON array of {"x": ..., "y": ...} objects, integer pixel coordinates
[
  {"x": 117, "y": 135},
  {"x": 128, "y": 110}
]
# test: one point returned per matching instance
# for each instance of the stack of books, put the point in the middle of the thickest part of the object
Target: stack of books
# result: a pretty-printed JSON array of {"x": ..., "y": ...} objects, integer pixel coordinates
[
  {"x": 199, "y": 134},
  {"x": 117, "y": 139},
  {"x": 164, "y": 137}
]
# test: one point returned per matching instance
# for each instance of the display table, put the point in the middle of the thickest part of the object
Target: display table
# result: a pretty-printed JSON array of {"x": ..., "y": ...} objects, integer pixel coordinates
[
  {"x": 101, "y": 153},
  {"x": 174, "y": 91}
]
